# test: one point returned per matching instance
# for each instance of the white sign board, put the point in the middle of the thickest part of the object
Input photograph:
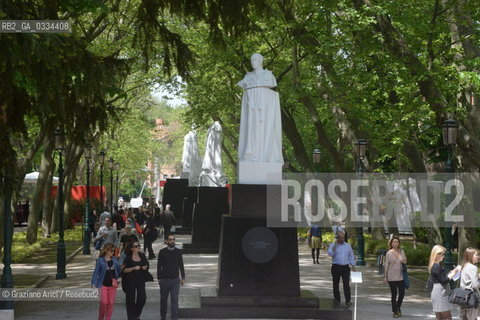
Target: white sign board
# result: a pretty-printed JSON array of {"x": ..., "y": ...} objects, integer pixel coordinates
[{"x": 356, "y": 277}]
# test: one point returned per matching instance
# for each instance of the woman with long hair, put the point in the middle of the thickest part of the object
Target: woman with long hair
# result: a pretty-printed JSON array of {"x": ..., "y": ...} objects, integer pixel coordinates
[
  {"x": 394, "y": 259},
  {"x": 105, "y": 277},
  {"x": 134, "y": 269},
  {"x": 469, "y": 280},
  {"x": 440, "y": 291}
]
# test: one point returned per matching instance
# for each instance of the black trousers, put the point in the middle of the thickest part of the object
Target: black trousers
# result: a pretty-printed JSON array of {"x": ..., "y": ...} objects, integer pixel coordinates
[
  {"x": 166, "y": 231},
  {"x": 149, "y": 238},
  {"x": 135, "y": 298},
  {"x": 339, "y": 271},
  {"x": 397, "y": 303}
]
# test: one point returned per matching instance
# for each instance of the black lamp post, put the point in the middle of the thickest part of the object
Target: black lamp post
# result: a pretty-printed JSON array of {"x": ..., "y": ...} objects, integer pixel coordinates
[
  {"x": 361, "y": 151},
  {"x": 101, "y": 160},
  {"x": 86, "y": 228},
  {"x": 111, "y": 164},
  {"x": 449, "y": 132},
  {"x": 7, "y": 278},
  {"x": 61, "y": 258},
  {"x": 117, "y": 168},
  {"x": 316, "y": 157}
]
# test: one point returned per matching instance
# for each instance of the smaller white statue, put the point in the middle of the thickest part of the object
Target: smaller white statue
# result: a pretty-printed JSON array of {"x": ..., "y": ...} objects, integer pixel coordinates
[
  {"x": 191, "y": 158},
  {"x": 212, "y": 169}
]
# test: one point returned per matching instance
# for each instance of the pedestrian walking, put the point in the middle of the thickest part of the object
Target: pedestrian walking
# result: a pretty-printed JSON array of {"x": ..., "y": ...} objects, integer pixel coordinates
[
  {"x": 314, "y": 236},
  {"x": 134, "y": 274},
  {"x": 107, "y": 233},
  {"x": 469, "y": 280},
  {"x": 105, "y": 214},
  {"x": 342, "y": 258},
  {"x": 169, "y": 269},
  {"x": 394, "y": 260},
  {"x": 150, "y": 234},
  {"x": 126, "y": 238},
  {"x": 440, "y": 291},
  {"x": 105, "y": 277},
  {"x": 168, "y": 220}
]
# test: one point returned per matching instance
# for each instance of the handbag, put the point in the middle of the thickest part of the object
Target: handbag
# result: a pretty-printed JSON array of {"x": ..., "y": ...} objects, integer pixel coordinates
[
  {"x": 429, "y": 285},
  {"x": 406, "y": 281},
  {"x": 465, "y": 298},
  {"x": 148, "y": 276}
]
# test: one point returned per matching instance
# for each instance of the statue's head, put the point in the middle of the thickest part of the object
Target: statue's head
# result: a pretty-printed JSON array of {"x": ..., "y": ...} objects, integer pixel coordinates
[{"x": 257, "y": 61}]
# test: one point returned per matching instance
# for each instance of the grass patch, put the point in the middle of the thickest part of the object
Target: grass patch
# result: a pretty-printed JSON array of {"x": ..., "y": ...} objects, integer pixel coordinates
[
  {"x": 21, "y": 250},
  {"x": 25, "y": 280},
  {"x": 419, "y": 274}
]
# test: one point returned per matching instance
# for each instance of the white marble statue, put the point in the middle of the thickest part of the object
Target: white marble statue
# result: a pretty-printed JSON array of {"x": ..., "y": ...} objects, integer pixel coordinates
[
  {"x": 192, "y": 162},
  {"x": 212, "y": 169},
  {"x": 260, "y": 142},
  {"x": 260, "y": 123}
]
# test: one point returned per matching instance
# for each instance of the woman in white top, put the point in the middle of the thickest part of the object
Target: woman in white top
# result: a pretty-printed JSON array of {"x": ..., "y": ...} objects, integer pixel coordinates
[
  {"x": 394, "y": 274},
  {"x": 469, "y": 280}
]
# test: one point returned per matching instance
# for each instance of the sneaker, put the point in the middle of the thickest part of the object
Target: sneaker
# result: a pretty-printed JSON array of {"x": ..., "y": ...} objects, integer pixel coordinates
[
  {"x": 348, "y": 304},
  {"x": 395, "y": 315}
]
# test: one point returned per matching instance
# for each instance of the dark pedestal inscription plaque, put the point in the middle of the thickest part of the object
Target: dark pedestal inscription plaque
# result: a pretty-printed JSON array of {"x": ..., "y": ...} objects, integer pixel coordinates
[
  {"x": 173, "y": 193},
  {"x": 240, "y": 276}
]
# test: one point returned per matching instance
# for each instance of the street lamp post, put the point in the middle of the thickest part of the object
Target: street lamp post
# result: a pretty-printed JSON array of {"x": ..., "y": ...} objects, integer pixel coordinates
[
  {"x": 117, "y": 168},
  {"x": 7, "y": 278},
  {"x": 111, "y": 164},
  {"x": 86, "y": 228},
  {"x": 316, "y": 157},
  {"x": 361, "y": 151},
  {"x": 101, "y": 160},
  {"x": 449, "y": 133},
  {"x": 61, "y": 258}
]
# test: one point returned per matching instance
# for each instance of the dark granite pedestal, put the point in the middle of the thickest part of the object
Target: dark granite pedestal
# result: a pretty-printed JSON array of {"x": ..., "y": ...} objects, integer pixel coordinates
[
  {"x": 173, "y": 193},
  {"x": 191, "y": 197},
  {"x": 258, "y": 274},
  {"x": 211, "y": 205}
]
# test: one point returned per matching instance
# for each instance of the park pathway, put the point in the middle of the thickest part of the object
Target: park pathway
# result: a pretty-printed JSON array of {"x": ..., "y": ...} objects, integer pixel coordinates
[{"x": 201, "y": 270}]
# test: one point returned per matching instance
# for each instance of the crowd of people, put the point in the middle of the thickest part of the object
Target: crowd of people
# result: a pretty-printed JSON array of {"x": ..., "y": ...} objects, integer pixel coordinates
[
  {"x": 396, "y": 276},
  {"x": 116, "y": 238}
]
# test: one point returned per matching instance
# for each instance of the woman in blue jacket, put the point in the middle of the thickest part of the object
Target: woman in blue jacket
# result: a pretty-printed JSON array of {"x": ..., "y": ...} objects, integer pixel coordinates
[{"x": 105, "y": 277}]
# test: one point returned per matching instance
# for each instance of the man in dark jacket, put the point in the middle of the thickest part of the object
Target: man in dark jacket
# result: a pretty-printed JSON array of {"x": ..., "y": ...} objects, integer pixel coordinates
[
  {"x": 169, "y": 267},
  {"x": 168, "y": 220}
]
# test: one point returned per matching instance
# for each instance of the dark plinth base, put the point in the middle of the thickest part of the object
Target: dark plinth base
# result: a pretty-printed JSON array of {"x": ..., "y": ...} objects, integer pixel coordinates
[
  {"x": 195, "y": 248},
  {"x": 190, "y": 199},
  {"x": 212, "y": 203},
  {"x": 239, "y": 276},
  {"x": 307, "y": 306},
  {"x": 182, "y": 230},
  {"x": 173, "y": 194},
  {"x": 255, "y": 200}
]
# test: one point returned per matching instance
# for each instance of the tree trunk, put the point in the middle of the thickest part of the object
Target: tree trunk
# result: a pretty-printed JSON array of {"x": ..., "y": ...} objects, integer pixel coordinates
[{"x": 37, "y": 199}]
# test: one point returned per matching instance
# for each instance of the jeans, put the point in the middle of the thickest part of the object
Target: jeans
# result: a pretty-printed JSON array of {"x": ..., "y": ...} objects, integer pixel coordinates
[
  {"x": 339, "y": 271},
  {"x": 169, "y": 287},
  {"x": 397, "y": 304}
]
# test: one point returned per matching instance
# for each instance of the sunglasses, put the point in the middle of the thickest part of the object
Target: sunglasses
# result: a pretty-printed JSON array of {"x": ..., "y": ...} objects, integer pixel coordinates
[{"x": 135, "y": 246}]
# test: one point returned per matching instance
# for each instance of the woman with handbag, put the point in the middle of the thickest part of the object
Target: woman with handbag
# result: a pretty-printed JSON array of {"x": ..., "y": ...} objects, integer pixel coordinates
[
  {"x": 105, "y": 277},
  {"x": 469, "y": 280},
  {"x": 135, "y": 273},
  {"x": 441, "y": 306},
  {"x": 394, "y": 260}
]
